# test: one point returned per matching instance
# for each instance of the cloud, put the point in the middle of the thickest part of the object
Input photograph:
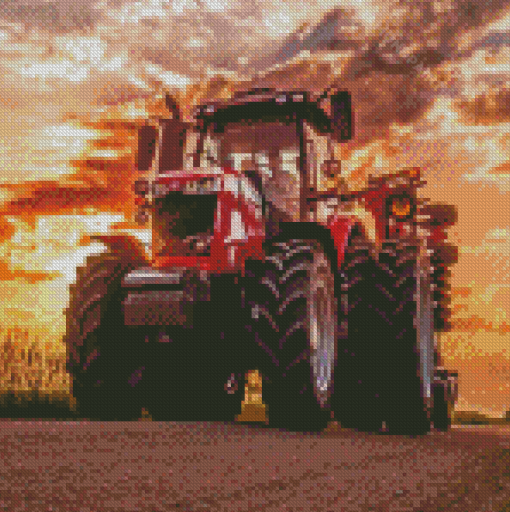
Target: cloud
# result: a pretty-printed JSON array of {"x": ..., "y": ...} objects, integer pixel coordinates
[
  {"x": 489, "y": 107},
  {"x": 57, "y": 16},
  {"x": 496, "y": 242},
  {"x": 496, "y": 290},
  {"x": 50, "y": 248},
  {"x": 474, "y": 323},
  {"x": 498, "y": 234},
  {"x": 461, "y": 291},
  {"x": 7, "y": 229},
  {"x": 57, "y": 199},
  {"x": 494, "y": 40},
  {"x": 7, "y": 273},
  {"x": 237, "y": 39},
  {"x": 391, "y": 67},
  {"x": 190, "y": 38}
]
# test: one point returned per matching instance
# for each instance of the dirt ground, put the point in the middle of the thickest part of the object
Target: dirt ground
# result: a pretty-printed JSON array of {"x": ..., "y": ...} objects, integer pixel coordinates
[{"x": 154, "y": 466}]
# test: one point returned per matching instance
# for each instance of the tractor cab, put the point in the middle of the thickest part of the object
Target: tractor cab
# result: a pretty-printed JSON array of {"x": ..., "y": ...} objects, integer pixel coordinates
[
  {"x": 244, "y": 165},
  {"x": 282, "y": 140}
]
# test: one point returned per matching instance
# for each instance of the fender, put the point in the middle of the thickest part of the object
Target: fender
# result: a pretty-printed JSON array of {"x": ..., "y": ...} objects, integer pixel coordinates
[
  {"x": 340, "y": 227},
  {"x": 123, "y": 243},
  {"x": 334, "y": 237}
]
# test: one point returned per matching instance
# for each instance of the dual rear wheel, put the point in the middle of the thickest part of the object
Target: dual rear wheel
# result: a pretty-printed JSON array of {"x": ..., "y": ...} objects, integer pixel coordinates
[
  {"x": 290, "y": 322},
  {"x": 365, "y": 368}
]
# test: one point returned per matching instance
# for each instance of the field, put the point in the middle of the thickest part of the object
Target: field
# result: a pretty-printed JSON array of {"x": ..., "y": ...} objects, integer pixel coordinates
[
  {"x": 34, "y": 382},
  {"x": 33, "y": 378}
]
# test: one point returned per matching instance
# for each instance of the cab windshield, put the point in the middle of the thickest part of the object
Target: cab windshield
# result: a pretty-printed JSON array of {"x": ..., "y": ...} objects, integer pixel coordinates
[{"x": 271, "y": 149}]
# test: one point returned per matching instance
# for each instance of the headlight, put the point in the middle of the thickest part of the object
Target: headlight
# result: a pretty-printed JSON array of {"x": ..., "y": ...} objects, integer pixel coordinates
[
  {"x": 401, "y": 207},
  {"x": 201, "y": 186},
  {"x": 191, "y": 186},
  {"x": 160, "y": 189}
]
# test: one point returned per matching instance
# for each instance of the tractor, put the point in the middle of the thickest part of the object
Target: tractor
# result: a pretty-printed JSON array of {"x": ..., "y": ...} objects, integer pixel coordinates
[{"x": 258, "y": 260}]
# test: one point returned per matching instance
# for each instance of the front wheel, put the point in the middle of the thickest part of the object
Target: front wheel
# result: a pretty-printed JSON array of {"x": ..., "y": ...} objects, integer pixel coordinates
[
  {"x": 291, "y": 327},
  {"x": 104, "y": 361}
]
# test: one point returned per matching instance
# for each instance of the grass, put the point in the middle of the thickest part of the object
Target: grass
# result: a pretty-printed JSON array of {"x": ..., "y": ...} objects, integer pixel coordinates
[
  {"x": 33, "y": 378},
  {"x": 34, "y": 404}
]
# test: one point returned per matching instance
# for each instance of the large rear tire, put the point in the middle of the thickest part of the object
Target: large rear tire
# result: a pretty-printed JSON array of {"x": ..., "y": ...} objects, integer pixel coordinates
[
  {"x": 103, "y": 360},
  {"x": 360, "y": 374},
  {"x": 291, "y": 327},
  {"x": 406, "y": 407}
]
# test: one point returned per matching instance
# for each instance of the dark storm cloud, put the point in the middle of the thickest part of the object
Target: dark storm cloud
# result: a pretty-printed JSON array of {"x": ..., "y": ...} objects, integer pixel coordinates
[
  {"x": 493, "y": 42},
  {"x": 332, "y": 33},
  {"x": 54, "y": 198},
  {"x": 63, "y": 16},
  {"x": 329, "y": 34},
  {"x": 385, "y": 77},
  {"x": 390, "y": 59},
  {"x": 435, "y": 37},
  {"x": 115, "y": 93}
]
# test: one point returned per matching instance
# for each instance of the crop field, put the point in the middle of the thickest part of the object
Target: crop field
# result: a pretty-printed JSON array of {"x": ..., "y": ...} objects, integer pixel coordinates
[{"x": 33, "y": 378}]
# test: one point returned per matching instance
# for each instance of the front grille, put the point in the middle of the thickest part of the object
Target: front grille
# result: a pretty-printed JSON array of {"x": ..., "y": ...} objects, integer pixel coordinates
[
  {"x": 183, "y": 224},
  {"x": 156, "y": 308}
]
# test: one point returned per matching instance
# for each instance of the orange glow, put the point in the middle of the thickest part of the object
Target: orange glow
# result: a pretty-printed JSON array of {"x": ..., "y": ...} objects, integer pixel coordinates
[
  {"x": 74, "y": 101},
  {"x": 401, "y": 207},
  {"x": 376, "y": 159}
]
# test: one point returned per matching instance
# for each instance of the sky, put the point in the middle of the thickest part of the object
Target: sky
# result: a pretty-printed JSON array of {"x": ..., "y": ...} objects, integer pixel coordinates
[{"x": 430, "y": 84}]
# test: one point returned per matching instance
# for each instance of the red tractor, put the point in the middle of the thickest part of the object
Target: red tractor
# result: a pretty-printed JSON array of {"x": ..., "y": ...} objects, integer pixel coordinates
[{"x": 258, "y": 263}]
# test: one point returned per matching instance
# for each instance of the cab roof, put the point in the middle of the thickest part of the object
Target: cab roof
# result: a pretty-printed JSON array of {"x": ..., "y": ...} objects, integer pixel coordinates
[{"x": 266, "y": 105}]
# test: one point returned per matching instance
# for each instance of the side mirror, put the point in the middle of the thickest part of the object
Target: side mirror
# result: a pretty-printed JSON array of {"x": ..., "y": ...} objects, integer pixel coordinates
[
  {"x": 343, "y": 121},
  {"x": 147, "y": 136}
]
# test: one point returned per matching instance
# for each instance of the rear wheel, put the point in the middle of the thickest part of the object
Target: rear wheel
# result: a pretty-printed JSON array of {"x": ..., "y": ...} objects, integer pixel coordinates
[
  {"x": 361, "y": 362},
  {"x": 291, "y": 327},
  {"x": 405, "y": 408},
  {"x": 103, "y": 359},
  {"x": 442, "y": 408}
]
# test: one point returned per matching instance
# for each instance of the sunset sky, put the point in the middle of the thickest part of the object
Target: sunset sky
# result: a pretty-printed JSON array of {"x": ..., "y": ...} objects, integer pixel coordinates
[{"x": 430, "y": 83}]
